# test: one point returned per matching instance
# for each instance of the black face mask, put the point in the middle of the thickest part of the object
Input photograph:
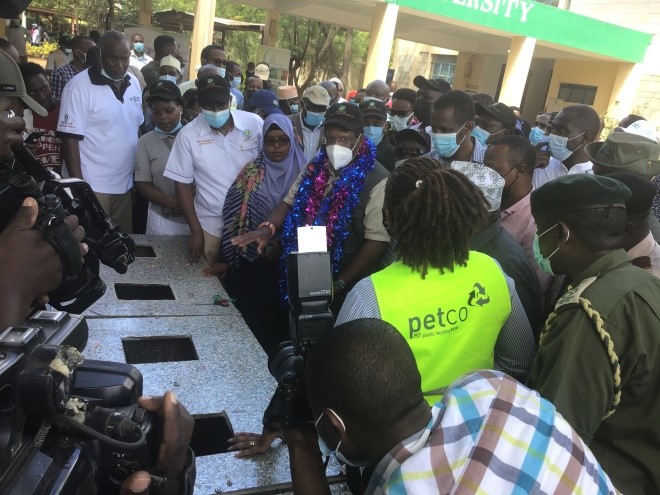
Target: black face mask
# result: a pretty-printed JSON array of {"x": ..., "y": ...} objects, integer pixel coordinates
[{"x": 422, "y": 109}]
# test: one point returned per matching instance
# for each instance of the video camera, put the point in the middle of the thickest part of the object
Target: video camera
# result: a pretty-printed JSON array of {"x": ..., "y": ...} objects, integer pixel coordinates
[
  {"x": 309, "y": 288},
  {"x": 57, "y": 198},
  {"x": 68, "y": 424}
]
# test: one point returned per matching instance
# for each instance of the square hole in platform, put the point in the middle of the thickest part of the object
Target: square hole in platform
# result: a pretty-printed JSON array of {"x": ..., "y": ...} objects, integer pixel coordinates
[
  {"x": 159, "y": 349},
  {"x": 144, "y": 252},
  {"x": 211, "y": 434},
  {"x": 144, "y": 292}
]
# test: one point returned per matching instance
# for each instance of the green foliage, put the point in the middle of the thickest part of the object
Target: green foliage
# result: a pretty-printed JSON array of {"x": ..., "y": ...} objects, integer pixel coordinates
[{"x": 41, "y": 51}]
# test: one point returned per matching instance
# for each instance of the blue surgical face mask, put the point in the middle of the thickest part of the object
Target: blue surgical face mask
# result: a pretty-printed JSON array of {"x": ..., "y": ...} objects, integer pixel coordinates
[
  {"x": 375, "y": 133},
  {"x": 222, "y": 71},
  {"x": 559, "y": 146},
  {"x": 138, "y": 47},
  {"x": 67, "y": 51},
  {"x": 314, "y": 119},
  {"x": 481, "y": 135},
  {"x": 536, "y": 136},
  {"x": 216, "y": 119},
  {"x": 236, "y": 82},
  {"x": 173, "y": 131},
  {"x": 326, "y": 451},
  {"x": 168, "y": 77},
  {"x": 544, "y": 261},
  {"x": 445, "y": 144},
  {"x": 369, "y": 98},
  {"x": 295, "y": 108},
  {"x": 107, "y": 76}
]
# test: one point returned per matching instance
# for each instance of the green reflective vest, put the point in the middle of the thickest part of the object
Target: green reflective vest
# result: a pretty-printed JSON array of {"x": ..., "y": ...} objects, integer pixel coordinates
[{"x": 451, "y": 320}]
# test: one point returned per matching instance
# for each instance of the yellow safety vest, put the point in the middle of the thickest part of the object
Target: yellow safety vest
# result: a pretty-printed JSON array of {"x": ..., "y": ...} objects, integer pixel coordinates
[{"x": 451, "y": 320}]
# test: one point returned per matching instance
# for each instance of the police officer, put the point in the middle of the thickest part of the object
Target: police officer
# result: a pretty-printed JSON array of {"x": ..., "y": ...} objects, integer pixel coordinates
[{"x": 599, "y": 353}]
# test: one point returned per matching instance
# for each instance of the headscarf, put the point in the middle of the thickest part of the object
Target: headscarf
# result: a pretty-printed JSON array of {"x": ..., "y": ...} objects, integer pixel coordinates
[{"x": 281, "y": 175}]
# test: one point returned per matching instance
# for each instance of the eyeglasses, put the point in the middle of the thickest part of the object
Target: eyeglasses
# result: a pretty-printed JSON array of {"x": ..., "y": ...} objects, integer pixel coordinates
[
  {"x": 347, "y": 142},
  {"x": 408, "y": 152},
  {"x": 279, "y": 142}
]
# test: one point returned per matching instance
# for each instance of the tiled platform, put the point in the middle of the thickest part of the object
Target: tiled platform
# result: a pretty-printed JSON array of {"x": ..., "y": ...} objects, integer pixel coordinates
[{"x": 231, "y": 373}]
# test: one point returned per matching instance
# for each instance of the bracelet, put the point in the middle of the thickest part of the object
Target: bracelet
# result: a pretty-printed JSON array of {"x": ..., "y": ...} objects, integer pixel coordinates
[{"x": 270, "y": 226}]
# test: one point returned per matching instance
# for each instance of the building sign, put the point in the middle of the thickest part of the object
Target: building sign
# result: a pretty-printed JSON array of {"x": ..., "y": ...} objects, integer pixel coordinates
[
  {"x": 543, "y": 22},
  {"x": 510, "y": 9}
]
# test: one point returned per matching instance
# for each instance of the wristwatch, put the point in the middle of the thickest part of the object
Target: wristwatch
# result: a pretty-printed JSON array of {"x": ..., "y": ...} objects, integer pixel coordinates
[{"x": 339, "y": 285}]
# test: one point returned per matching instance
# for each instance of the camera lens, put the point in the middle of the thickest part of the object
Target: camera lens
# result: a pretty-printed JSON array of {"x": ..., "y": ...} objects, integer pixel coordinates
[{"x": 282, "y": 359}]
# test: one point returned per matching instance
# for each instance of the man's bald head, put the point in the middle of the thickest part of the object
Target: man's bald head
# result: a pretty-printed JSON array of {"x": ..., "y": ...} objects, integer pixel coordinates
[
  {"x": 330, "y": 87},
  {"x": 9, "y": 49},
  {"x": 206, "y": 70},
  {"x": 378, "y": 89},
  {"x": 370, "y": 385}
]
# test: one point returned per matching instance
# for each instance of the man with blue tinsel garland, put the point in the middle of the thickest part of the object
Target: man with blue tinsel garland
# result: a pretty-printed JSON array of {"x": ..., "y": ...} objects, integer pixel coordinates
[{"x": 343, "y": 188}]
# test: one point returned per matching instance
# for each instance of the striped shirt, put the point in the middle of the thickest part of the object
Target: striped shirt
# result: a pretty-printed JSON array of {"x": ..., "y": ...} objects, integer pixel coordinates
[
  {"x": 490, "y": 434},
  {"x": 514, "y": 349}
]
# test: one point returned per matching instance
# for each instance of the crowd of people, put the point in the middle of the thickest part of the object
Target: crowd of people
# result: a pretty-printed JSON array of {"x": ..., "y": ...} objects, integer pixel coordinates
[{"x": 461, "y": 237}]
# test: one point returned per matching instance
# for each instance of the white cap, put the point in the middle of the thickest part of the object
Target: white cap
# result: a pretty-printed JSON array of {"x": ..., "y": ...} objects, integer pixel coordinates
[
  {"x": 643, "y": 128},
  {"x": 490, "y": 182},
  {"x": 171, "y": 61}
]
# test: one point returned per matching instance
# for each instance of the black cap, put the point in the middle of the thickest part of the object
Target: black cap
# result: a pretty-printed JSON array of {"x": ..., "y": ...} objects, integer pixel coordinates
[
  {"x": 420, "y": 137},
  {"x": 345, "y": 115},
  {"x": 213, "y": 89},
  {"x": 432, "y": 84},
  {"x": 578, "y": 192},
  {"x": 374, "y": 108},
  {"x": 163, "y": 90},
  {"x": 642, "y": 192},
  {"x": 500, "y": 112}
]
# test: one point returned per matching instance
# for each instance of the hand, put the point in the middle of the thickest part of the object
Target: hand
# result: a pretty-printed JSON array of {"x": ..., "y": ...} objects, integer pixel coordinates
[
  {"x": 218, "y": 269},
  {"x": 137, "y": 483},
  {"x": 249, "y": 444},
  {"x": 177, "y": 431},
  {"x": 260, "y": 236},
  {"x": 10, "y": 131},
  {"x": 195, "y": 247},
  {"x": 542, "y": 157}
]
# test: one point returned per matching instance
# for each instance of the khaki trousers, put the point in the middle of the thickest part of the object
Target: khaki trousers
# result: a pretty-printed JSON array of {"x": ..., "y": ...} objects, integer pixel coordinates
[
  {"x": 211, "y": 247},
  {"x": 119, "y": 207}
]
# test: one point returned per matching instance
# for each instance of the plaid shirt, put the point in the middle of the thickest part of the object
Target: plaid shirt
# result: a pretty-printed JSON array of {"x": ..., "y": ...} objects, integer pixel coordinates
[
  {"x": 478, "y": 152},
  {"x": 60, "y": 77},
  {"x": 490, "y": 434}
]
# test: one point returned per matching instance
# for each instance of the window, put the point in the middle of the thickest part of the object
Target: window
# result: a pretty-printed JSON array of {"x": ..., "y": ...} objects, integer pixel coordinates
[
  {"x": 443, "y": 66},
  {"x": 574, "y": 93}
]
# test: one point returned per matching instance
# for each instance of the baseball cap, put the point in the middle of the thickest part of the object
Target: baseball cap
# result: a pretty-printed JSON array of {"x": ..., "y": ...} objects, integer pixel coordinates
[
  {"x": 213, "y": 89},
  {"x": 171, "y": 61},
  {"x": 262, "y": 71},
  {"x": 266, "y": 100},
  {"x": 374, "y": 108},
  {"x": 421, "y": 137},
  {"x": 432, "y": 84},
  {"x": 500, "y": 112},
  {"x": 345, "y": 115},
  {"x": 318, "y": 95},
  {"x": 164, "y": 90},
  {"x": 287, "y": 92},
  {"x": 643, "y": 128},
  {"x": 12, "y": 85}
]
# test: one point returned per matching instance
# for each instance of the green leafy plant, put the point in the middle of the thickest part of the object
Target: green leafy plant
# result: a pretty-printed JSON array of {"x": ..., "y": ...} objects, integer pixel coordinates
[{"x": 41, "y": 51}]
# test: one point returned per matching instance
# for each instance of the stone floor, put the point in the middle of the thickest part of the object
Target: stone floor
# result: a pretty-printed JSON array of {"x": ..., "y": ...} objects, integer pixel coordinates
[{"x": 229, "y": 375}]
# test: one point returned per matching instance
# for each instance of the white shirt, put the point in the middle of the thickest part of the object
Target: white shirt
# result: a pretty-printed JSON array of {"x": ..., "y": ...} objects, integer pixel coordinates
[
  {"x": 139, "y": 62},
  {"x": 648, "y": 247},
  {"x": 212, "y": 161},
  {"x": 557, "y": 169},
  {"x": 311, "y": 138},
  {"x": 109, "y": 129}
]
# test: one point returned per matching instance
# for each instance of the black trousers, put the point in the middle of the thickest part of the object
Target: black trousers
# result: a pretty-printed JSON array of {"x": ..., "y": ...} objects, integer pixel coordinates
[{"x": 254, "y": 285}]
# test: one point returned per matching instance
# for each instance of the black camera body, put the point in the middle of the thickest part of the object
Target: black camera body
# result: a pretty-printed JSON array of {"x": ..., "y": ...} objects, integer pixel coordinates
[
  {"x": 309, "y": 287},
  {"x": 66, "y": 422},
  {"x": 57, "y": 198}
]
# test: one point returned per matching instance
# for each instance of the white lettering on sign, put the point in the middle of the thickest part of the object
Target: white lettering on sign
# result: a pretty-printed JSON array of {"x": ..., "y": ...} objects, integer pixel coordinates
[{"x": 506, "y": 8}]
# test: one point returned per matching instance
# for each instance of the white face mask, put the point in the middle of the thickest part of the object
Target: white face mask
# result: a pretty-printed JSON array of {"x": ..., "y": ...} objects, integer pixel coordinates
[
  {"x": 399, "y": 123},
  {"x": 339, "y": 156}
]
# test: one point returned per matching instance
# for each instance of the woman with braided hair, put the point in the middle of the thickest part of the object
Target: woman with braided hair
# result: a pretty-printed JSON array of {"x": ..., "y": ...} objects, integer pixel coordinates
[{"x": 456, "y": 308}]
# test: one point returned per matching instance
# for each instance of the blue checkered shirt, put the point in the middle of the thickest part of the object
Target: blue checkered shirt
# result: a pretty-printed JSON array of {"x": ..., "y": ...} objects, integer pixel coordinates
[{"x": 60, "y": 77}]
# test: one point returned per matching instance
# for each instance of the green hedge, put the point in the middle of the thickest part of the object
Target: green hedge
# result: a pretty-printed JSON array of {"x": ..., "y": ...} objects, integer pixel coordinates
[{"x": 41, "y": 51}]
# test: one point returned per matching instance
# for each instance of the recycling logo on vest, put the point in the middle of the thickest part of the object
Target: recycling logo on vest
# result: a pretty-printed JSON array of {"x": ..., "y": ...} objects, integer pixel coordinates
[{"x": 446, "y": 321}]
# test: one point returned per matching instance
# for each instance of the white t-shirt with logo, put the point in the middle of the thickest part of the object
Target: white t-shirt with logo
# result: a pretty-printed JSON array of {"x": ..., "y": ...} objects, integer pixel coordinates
[
  {"x": 212, "y": 161},
  {"x": 109, "y": 129}
]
